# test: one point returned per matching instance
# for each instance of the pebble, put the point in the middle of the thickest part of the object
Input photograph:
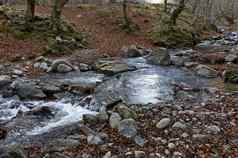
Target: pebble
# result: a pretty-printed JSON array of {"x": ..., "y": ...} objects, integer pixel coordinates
[
  {"x": 139, "y": 154},
  {"x": 163, "y": 123},
  {"x": 171, "y": 145},
  {"x": 213, "y": 129},
  {"x": 108, "y": 155},
  {"x": 179, "y": 125}
]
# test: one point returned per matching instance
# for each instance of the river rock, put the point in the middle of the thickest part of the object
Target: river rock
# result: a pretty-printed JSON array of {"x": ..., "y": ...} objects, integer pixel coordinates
[
  {"x": 127, "y": 128},
  {"x": 124, "y": 111},
  {"x": 111, "y": 66},
  {"x": 139, "y": 141},
  {"x": 214, "y": 58},
  {"x": 230, "y": 76},
  {"x": 42, "y": 111},
  {"x": 205, "y": 71},
  {"x": 163, "y": 123},
  {"x": 133, "y": 51},
  {"x": 179, "y": 125},
  {"x": 160, "y": 57},
  {"x": 89, "y": 118},
  {"x": 4, "y": 80},
  {"x": 94, "y": 140},
  {"x": 108, "y": 155},
  {"x": 213, "y": 129},
  {"x": 27, "y": 90},
  {"x": 139, "y": 154},
  {"x": 231, "y": 58},
  {"x": 114, "y": 120},
  {"x": 61, "y": 66}
]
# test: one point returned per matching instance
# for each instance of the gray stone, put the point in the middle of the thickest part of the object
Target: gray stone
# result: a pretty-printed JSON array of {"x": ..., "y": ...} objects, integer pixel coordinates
[
  {"x": 231, "y": 58},
  {"x": 95, "y": 140},
  {"x": 61, "y": 66},
  {"x": 12, "y": 151},
  {"x": 179, "y": 125},
  {"x": 139, "y": 141},
  {"x": 213, "y": 129},
  {"x": 112, "y": 66},
  {"x": 127, "y": 128},
  {"x": 114, "y": 120},
  {"x": 205, "y": 71},
  {"x": 160, "y": 57},
  {"x": 200, "y": 138},
  {"x": 27, "y": 90},
  {"x": 124, "y": 111},
  {"x": 108, "y": 155},
  {"x": 4, "y": 80},
  {"x": 139, "y": 154},
  {"x": 89, "y": 118},
  {"x": 163, "y": 123},
  {"x": 132, "y": 51},
  {"x": 171, "y": 145},
  {"x": 84, "y": 67}
]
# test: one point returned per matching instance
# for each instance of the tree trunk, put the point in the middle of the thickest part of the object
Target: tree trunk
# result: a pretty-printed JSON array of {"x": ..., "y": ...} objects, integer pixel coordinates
[
  {"x": 56, "y": 14},
  {"x": 125, "y": 14},
  {"x": 177, "y": 12},
  {"x": 165, "y": 6},
  {"x": 30, "y": 11}
]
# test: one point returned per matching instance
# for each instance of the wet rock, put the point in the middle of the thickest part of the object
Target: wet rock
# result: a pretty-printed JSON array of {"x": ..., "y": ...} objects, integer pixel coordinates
[
  {"x": 84, "y": 67},
  {"x": 213, "y": 129},
  {"x": 41, "y": 111},
  {"x": 55, "y": 155},
  {"x": 108, "y": 155},
  {"x": 133, "y": 51},
  {"x": 139, "y": 154},
  {"x": 139, "y": 141},
  {"x": 102, "y": 116},
  {"x": 232, "y": 58},
  {"x": 27, "y": 90},
  {"x": 94, "y": 140},
  {"x": 4, "y": 80},
  {"x": 205, "y": 71},
  {"x": 18, "y": 72},
  {"x": 179, "y": 125},
  {"x": 42, "y": 66},
  {"x": 114, "y": 120},
  {"x": 127, "y": 128},
  {"x": 111, "y": 66},
  {"x": 190, "y": 64},
  {"x": 200, "y": 137},
  {"x": 163, "y": 123},
  {"x": 230, "y": 76},
  {"x": 89, "y": 118},
  {"x": 160, "y": 57},
  {"x": 49, "y": 88},
  {"x": 177, "y": 61},
  {"x": 124, "y": 111},
  {"x": 3, "y": 133},
  {"x": 61, "y": 66}
]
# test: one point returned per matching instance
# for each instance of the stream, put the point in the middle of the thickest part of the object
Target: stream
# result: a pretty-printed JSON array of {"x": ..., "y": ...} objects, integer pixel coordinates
[{"x": 148, "y": 84}]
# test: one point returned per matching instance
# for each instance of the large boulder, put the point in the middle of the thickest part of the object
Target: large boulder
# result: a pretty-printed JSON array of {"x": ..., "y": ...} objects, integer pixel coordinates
[
  {"x": 133, "y": 51},
  {"x": 205, "y": 71},
  {"x": 160, "y": 57},
  {"x": 27, "y": 90},
  {"x": 111, "y": 66},
  {"x": 61, "y": 66}
]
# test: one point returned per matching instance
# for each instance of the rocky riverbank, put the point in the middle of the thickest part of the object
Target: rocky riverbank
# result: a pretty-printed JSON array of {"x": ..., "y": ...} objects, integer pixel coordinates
[{"x": 147, "y": 103}]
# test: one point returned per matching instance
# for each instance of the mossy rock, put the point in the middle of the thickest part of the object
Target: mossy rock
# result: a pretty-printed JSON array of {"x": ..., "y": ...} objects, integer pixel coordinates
[{"x": 231, "y": 76}]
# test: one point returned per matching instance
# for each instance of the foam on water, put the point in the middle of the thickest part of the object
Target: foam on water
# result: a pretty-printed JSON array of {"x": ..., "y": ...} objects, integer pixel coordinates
[{"x": 68, "y": 114}]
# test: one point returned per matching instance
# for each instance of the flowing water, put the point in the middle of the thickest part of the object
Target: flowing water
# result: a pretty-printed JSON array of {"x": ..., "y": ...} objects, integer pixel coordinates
[{"x": 148, "y": 84}]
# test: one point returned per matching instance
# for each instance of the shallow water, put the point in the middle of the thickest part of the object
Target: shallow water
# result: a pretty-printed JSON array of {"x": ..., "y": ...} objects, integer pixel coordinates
[{"x": 147, "y": 85}]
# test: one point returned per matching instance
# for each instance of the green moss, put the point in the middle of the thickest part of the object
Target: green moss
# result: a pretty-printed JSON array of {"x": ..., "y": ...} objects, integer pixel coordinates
[{"x": 231, "y": 76}]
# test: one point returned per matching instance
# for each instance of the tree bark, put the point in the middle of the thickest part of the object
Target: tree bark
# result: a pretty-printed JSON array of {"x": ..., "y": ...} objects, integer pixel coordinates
[
  {"x": 177, "y": 12},
  {"x": 30, "y": 10},
  {"x": 56, "y": 13}
]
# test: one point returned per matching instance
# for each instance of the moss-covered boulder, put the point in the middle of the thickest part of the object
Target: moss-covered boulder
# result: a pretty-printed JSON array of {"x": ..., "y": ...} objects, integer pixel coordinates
[{"x": 230, "y": 76}]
